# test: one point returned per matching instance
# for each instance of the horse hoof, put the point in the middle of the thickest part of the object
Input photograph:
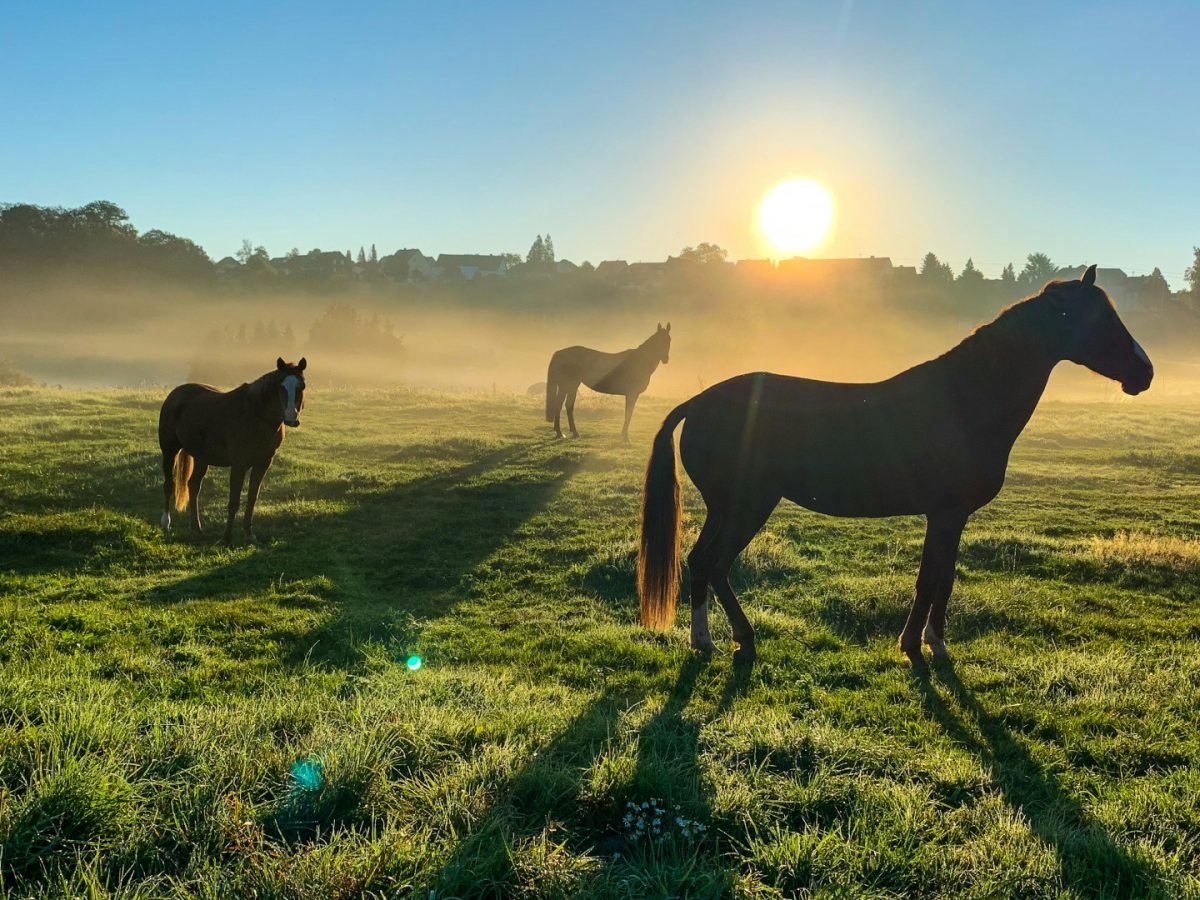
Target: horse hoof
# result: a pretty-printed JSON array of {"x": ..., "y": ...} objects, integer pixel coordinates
[
  {"x": 708, "y": 648},
  {"x": 916, "y": 660},
  {"x": 745, "y": 656},
  {"x": 939, "y": 652}
]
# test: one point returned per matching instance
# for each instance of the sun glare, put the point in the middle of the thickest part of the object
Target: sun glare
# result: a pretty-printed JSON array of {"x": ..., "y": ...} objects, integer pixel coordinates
[{"x": 795, "y": 215}]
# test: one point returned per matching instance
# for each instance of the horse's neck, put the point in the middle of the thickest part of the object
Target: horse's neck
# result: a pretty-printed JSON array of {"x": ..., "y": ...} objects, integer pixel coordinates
[
  {"x": 258, "y": 396},
  {"x": 1000, "y": 374},
  {"x": 646, "y": 356}
]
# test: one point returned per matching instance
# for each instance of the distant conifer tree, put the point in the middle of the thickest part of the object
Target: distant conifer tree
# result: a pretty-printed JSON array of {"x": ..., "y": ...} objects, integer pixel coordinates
[{"x": 537, "y": 252}]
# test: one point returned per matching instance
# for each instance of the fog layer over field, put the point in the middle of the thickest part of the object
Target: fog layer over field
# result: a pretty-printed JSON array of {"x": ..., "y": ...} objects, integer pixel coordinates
[{"x": 481, "y": 337}]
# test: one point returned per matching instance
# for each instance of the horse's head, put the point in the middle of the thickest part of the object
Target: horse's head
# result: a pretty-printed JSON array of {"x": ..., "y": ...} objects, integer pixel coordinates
[
  {"x": 1089, "y": 332},
  {"x": 290, "y": 378},
  {"x": 660, "y": 342}
]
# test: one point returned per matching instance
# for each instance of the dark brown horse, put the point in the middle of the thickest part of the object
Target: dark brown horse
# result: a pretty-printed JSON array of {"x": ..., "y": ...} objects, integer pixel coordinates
[
  {"x": 933, "y": 440},
  {"x": 627, "y": 373},
  {"x": 200, "y": 426}
]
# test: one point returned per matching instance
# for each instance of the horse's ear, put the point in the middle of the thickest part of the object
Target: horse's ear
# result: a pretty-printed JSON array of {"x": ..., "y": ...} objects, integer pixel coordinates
[
  {"x": 303, "y": 364},
  {"x": 658, "y": 327},
  {"x": 1089, "y": 277},
  {"x": 280, "y": 364},
  {"x": 668, "y": 328}
]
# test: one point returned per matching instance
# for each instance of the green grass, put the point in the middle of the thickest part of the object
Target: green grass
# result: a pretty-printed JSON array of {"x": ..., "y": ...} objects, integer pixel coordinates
[{"x": 177, "y": 719}]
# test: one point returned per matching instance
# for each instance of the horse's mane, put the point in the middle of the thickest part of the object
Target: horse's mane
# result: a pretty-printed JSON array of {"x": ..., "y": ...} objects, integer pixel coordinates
[
  {"x": 646, "y": 343},
  {"x": 1011, "y": 322},
  {"x": 258, "y": 387}
]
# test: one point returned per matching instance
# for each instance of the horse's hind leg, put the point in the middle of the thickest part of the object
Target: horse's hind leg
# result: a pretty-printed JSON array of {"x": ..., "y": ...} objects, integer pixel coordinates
[
  {"x": 194, "y": 485},
  {"x": 168, "y": 465},
  {"x": 700, "y": 562},
  {"x": 935, "y": 581},
  {"x": 571, "y": 394},
  {"x": 559, "y": 397},
  {"x": 735, "y": 535}
]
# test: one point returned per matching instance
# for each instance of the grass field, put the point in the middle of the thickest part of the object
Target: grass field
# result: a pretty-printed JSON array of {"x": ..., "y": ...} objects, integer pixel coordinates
[{"x": 177, "y": 719}]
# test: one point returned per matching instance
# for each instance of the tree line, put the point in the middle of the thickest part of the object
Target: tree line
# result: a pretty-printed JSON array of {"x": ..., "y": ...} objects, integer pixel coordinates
[{"x": 100, "y": 237}]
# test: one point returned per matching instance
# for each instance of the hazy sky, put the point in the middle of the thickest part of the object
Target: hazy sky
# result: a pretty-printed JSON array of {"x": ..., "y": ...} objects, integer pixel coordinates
[{"x": 626, "y": 130}]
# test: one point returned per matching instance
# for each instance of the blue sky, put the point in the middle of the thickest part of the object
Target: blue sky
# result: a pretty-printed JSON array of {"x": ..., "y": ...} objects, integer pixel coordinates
[{"x": 626, "y": 130}]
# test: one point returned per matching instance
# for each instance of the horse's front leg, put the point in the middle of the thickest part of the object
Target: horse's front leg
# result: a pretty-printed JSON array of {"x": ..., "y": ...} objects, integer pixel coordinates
[
  {"x": 256, "y": 477},
  {"x": 934, "y": 584},
  {"x": 630, "y": 402},
  {"x": 237, "y": 475}
]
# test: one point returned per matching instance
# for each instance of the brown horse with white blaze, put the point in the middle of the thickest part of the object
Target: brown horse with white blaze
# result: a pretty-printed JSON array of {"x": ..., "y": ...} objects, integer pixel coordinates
[
  {"x": 627, "y": 372},
  {"x": 200, "y": 426},
  {"x": 933, "y": 440}
]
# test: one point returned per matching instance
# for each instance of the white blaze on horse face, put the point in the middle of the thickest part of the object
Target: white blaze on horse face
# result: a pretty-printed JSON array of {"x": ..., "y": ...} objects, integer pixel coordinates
[
  {"x": 291, "y": 415},
  {"x": 1141, "y": 354}
]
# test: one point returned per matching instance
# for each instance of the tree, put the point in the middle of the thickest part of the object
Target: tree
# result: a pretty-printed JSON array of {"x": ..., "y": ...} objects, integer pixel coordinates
[
  {"x": 586, "y": 266},
  {"x": 512, "y": 259},
  {"x": 970, "y": 275},
  {"x": 537, "y": 252},
  {"x": 374, "y": 257},
  {"x": 933, "y": 268},
  {"x": 362, "y": 257},
  {"x": 1008, "y": 276},
  {"x": 1038, "y": 270},
  {"x": 173, "y": 255},
  {"x": 704, "y": 253},
  {"x": 549, "y": 247},
  {"x": 1192, "y": 275}
]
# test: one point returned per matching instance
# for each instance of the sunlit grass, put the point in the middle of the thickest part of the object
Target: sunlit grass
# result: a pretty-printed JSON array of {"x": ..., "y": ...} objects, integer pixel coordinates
[{"x": 177, "y": 719}]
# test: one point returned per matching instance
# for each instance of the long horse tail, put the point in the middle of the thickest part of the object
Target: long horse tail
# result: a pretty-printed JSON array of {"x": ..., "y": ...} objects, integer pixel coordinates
[
  {"x": 551, "y": 391},
  {"x": 183, "y": 472},
  {"x": 662, "y": 516}
]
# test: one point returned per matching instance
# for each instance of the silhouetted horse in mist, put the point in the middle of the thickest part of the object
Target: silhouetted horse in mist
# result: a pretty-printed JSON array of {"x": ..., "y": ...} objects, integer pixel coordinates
[
  {"x": 933, "y": 440},
  {"x": 200, "y": 426},
  {"x": 627, "y": 373}
]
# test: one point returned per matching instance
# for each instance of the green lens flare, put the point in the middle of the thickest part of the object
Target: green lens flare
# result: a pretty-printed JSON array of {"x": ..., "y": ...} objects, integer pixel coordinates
[
  {"x": 414, "y": 662},
  {"x": 308, "y": 774}
]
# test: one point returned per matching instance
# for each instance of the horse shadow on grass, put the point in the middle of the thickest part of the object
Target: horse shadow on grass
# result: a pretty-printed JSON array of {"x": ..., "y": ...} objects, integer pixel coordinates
[
  {"x": 393, "y": 558},
  {"x": 544, "y": 796},
  {"x": 1089, "y": 861}
]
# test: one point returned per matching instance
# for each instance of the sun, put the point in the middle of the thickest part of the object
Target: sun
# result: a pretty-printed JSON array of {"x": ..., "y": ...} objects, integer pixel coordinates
[{"x": 795, "y": 215}]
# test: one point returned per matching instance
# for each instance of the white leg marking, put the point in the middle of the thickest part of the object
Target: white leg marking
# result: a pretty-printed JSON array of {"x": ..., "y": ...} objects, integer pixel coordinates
[{"x": 166, "y": 522}]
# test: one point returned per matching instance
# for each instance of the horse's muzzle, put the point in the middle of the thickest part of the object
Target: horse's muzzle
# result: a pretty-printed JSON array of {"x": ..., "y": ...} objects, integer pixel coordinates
[
  {"x": 1135, "y": 386},
  {"x": 295, "y": 423}
]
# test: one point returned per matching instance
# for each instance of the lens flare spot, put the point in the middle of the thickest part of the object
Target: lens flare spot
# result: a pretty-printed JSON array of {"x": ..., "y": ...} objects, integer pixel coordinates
[
  {"x": 308, "y": 774},
  {"x": 414, "y": 663}
]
